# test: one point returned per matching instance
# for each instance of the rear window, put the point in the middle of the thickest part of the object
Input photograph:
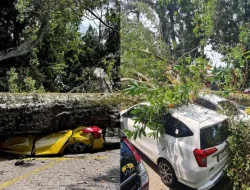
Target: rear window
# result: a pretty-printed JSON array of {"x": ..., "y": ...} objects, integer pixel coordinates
[
  {"x": 214, "y": 135},
  {"x": 205, "y": 103}
]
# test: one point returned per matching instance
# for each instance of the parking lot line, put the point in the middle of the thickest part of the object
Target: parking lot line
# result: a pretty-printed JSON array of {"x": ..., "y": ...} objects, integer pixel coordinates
[
  {"x": 8, "y": 183},
  {"x": 67, "y": 158}
]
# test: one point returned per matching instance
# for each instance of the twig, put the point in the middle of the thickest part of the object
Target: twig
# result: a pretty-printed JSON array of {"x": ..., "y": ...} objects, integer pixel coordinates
[
  {"x": 140, "y": 75},
  {"x": 104, "y": 23},
  {"x": 139, "y": 81},
  {"x": 150, "y": 53},
  {"x": 186, "y": 54}
]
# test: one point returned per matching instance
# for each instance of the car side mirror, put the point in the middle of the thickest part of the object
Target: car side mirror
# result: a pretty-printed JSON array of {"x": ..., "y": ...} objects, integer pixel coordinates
[{"x": 124, "y": 114}]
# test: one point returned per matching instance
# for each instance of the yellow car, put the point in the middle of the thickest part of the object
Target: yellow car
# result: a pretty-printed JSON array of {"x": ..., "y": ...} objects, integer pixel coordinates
[
  {"x": 247, "y": 110},
  {"x": 75, "y": 141}
]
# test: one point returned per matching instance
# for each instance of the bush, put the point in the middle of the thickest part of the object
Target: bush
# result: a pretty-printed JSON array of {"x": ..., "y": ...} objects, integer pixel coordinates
[
  {"x": 239, "y": 150},
  {"x": 13, "y": 80},
  {"x": 18, "y": 84}
]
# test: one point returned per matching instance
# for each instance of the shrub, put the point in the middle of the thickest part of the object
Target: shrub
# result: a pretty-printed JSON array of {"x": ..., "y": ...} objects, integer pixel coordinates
[
  {"x": 13, "y": 80},
  {"x": 29, "y": 84},
  {"x": 239, "y": 150}
]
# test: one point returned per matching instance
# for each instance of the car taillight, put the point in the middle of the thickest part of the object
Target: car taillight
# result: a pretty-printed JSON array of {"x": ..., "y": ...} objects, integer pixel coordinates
[
  {"x": 143, "y": 175},
  {"x": 201, "y": 155},
  {"x": 137, "y": 156},
  {"x": 96, "y": 131}
]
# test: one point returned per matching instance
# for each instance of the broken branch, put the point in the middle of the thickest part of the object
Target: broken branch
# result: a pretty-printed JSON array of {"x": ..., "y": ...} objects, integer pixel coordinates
[{"x": 26, "y": 46}]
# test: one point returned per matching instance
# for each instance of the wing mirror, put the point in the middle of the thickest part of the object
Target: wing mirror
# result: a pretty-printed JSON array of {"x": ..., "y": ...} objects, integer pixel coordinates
[{"x": 124, "y": 114}]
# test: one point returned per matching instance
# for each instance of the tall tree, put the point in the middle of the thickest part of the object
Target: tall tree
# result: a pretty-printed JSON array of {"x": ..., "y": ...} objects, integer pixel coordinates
[
  {"x": 225, "y": 25},
  {"x": 48, "y": 34}
]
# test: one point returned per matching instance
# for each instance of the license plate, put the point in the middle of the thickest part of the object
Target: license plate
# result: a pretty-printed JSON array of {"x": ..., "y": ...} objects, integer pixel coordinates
[{"x": 222, "y": 154}]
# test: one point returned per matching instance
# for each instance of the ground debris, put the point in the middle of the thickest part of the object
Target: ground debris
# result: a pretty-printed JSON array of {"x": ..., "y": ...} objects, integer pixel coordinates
[{"x": 19, "y": 162}]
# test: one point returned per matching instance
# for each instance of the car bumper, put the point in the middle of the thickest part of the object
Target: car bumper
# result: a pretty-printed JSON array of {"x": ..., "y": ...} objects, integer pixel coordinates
[
  {"x": 98, "y": 143},
  {"x": 214, "y": 180},
  {"x": 200, "y": 179}
]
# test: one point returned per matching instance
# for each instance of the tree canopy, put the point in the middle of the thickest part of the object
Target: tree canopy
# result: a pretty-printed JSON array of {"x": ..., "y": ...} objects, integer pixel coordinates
[{"x": 42, "y": 43}]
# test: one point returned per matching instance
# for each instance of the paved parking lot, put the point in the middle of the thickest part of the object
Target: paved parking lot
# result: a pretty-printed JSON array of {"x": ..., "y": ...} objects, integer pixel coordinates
[
  {"x": 155, "y": 182},
  {"x": 99, "y": 170}
]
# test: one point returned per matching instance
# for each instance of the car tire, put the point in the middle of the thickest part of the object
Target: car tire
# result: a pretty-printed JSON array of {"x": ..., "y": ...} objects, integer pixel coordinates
[
  {"x": 167, "y": 174},
  {"x": 76, "y": 148}
]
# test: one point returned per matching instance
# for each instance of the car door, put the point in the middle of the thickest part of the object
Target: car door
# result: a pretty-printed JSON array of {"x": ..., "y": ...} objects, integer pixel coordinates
[
  {"x": 148, "y": 144},
  {"x": 18, "y": 144},
  {"x": 170, "y": 139},
  {"x": 152, "y": 146},
  {"x": 127, "y": 122},
  {"x": 179, "y": 144},
  {"x": 51, "y": 143}
]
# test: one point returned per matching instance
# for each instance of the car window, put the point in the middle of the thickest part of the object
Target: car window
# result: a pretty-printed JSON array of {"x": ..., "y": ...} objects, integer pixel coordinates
[
  {"x": 131, "y": 113},
  {"x": 169, "y": 126},
  {"x": 205, "y": 103},
  {"x": 183, "y": 130},
  {"x": 213, "y": 135},
  {"x": 176, "y": 128}
]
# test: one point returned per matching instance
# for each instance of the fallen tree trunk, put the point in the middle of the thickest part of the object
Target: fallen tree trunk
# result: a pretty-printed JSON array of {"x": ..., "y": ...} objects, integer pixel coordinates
[{"x": 37, "y": 113}]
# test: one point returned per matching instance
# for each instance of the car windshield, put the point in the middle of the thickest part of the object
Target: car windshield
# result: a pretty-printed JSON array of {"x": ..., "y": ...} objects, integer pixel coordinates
[
  {"x": 213, "y": 135},
  {"x": 228, "y": 107}
]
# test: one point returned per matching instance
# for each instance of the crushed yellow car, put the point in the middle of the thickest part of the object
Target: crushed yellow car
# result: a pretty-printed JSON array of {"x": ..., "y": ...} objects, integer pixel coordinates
[
  {"x": 74, "y": 141},
  {"x": 247, "y": 110}
]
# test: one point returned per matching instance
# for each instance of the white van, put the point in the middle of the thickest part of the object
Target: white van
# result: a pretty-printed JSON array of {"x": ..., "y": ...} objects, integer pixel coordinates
[{"x": 193, "y": 148}]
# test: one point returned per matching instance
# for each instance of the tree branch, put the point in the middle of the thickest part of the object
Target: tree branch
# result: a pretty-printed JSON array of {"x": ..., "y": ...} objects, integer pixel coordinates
[
  {"x": 174, "y": 62},
  {"x": 26, "y": 46},
  {"x": 187, "y": 53},
  {"x": 142, "y": 76},
  {"x": 151, "y": 53},
  {"x": 139, "y": 81},
  {"x": 76, "y": 88},
  {"x": 97, "y": 17}
]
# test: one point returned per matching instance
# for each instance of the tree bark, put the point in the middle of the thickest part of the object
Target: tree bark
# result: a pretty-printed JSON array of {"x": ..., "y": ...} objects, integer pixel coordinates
[{"x": 48, "y": 112}]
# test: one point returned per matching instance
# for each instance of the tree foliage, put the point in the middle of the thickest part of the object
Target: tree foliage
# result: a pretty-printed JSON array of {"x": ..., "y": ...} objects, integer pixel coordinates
[
  {"x": 225, "y": 25},
  {"x": 43, "y": 40},
  {"x": 146, "y": 51}
]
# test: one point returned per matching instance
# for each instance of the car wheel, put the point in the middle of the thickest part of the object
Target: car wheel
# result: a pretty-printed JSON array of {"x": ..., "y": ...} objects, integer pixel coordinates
[
  {"x": 76, "y": 148},
  {"x": 167, "y": 173}
]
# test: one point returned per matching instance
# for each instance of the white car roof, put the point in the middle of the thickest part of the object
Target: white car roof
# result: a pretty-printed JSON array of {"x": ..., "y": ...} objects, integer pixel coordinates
[
  {"x": 212, "y": 98},
  {"x": 195, "y": 112},
  {"x": 198, "y": 113}
]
